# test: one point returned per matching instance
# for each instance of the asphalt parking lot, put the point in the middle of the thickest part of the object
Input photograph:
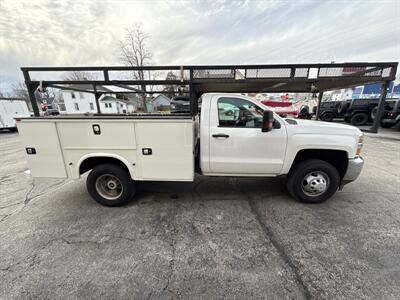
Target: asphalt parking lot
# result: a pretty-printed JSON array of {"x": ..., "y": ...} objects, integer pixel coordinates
[{"x": 214, "y": 238}]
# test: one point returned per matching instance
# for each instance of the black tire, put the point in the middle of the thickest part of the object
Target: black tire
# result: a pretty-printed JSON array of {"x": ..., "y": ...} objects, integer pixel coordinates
[
  {"x": 359, "y": 119},
  {"x": 296, "y": 180},
  {"x": 104, "y": 175},
  {"x": 373, "y": 112},
  {"x": 327, "y": 117}
]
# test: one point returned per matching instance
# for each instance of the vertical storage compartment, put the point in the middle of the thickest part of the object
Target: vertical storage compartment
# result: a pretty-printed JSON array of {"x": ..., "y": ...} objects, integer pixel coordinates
[{"x": 42, "y": 146}]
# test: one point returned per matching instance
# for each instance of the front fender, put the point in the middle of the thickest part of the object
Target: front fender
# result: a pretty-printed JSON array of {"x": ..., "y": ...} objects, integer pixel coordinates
[{"x": 300, "y": 142}]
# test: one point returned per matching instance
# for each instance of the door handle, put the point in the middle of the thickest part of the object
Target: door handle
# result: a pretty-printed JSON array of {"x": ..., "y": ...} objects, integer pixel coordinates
[{"x": 220, "y": 135}]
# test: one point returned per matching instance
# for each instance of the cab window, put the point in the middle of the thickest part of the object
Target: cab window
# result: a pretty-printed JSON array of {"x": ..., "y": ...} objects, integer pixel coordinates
[{"x": 236, "y": 112}]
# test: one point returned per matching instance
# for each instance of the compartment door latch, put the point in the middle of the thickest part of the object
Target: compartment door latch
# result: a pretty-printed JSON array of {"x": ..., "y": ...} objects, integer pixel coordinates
[
  {"x": 96, "y": 129},
  {"x": 147, "y": 151},
  {"x": 30, "y": 151}
]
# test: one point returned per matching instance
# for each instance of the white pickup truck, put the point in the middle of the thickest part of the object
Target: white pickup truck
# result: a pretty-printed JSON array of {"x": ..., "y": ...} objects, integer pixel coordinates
[{"x": 233, "y": 135}]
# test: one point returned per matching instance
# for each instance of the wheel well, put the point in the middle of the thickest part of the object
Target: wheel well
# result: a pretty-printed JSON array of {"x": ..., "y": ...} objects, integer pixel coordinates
[
  {"x": 91, "y": 162},
  {"x": 337, "y": 158},
  {"x": 327, "y": 112}
]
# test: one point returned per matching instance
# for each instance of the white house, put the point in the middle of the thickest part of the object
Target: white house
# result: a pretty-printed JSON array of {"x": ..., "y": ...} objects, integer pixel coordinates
[
  {"x": 111, "y": 105},
  {"x": 81, "y": 102}
]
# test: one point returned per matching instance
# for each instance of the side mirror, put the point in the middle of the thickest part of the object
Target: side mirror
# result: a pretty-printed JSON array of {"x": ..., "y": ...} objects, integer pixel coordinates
[{"x": 268, "y": 121}]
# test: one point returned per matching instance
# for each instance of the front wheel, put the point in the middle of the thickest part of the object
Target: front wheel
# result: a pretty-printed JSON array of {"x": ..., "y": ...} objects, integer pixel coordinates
[
  {"x": 313, "y": 181},
  {"x": 110, "y": 185}
]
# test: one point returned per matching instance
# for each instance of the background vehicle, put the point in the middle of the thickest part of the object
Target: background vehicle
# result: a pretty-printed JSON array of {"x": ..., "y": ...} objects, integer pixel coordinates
[
  {"x": 304, "y": 113},
  {"x": 180, "y": 104},
  {"x": 51, "y": 112},
  {"x": 391, "y": 113},
  {"x": 11, "y": 109},
  {"x": 282, "y": 108},
  {"x": 330, "y": 110},
  {"x": 362, "y": 111}
]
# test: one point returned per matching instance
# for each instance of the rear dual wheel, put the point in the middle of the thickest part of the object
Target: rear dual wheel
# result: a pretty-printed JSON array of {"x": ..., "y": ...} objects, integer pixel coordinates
[
  {"x": 110, "y": 185},
  {"x": 313, "y": 181}
]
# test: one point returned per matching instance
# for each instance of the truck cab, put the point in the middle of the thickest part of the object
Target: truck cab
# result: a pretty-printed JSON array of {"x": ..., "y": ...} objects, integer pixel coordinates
[{"x": 232, "y": 142}]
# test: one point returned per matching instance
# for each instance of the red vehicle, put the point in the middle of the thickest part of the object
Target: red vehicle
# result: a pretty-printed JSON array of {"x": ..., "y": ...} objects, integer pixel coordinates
[{"x": 282, "y": 108}]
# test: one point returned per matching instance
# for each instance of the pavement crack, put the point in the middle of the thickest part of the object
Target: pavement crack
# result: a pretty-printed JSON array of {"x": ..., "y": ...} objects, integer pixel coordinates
[
  {"x": 4, "y": 217},
  {"x": 171, "y": 231},
  {"x": 47, "y": 190},
  {"x": 10, "y": 205},
  {"x": 171, "y": 266},
  {"x": 32, "y": 259},
  {"x": 27, "y": 199},
  {"x": 280, "y": 249}
]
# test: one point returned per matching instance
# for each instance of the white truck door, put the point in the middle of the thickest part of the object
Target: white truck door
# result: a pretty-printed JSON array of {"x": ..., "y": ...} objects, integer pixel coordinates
[{"x": 237, "y": 144}]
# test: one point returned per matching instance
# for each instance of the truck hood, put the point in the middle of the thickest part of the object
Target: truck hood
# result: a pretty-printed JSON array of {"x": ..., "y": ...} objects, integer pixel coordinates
[{"x": 309, "y": 126}]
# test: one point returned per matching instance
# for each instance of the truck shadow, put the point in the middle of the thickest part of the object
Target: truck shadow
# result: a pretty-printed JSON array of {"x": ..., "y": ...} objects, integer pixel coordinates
[
  {"x": 206, "y": 188},
  {"x": 8, "y": 132}
]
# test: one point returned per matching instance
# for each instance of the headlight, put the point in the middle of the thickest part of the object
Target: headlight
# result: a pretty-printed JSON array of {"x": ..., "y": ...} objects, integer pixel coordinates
[{"x": 360, "y": 144}]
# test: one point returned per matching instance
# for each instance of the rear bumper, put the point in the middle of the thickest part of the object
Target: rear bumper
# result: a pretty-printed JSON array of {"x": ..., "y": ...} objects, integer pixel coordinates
[
  {"x": 389, "y": 121},
  {"x": 354, "y": 168}
]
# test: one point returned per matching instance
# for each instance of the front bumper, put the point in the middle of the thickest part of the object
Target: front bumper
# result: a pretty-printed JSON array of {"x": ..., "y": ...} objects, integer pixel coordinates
[{"x": 354, "y": 168}]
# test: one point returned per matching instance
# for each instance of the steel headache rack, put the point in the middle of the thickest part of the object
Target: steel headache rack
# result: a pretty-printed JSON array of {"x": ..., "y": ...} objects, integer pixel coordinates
[{"x": 193, "y": 81}]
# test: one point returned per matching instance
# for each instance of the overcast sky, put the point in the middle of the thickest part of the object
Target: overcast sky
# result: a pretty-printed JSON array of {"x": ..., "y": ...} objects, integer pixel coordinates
[{"x": 72, "y": 33}]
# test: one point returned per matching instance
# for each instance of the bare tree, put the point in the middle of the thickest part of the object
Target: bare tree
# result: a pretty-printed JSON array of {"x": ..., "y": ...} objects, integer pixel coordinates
[
  {"x": 19, "y": 90},
  {"x": 171, "y": 90},
  {"x": 135, "y": 53},
  {"x": 80, "y": 75}
]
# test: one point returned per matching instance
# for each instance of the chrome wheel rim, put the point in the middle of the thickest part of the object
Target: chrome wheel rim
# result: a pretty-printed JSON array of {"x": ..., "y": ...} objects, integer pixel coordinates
[
  {"x": 315, "y": 183},
  {"x": 109, "y": 186}
]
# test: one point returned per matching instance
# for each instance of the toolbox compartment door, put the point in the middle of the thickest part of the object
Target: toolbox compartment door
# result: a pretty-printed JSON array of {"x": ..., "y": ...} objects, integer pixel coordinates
[
  {"x": 42, "y": 148},
  {"x": 165, "y": 150}
]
